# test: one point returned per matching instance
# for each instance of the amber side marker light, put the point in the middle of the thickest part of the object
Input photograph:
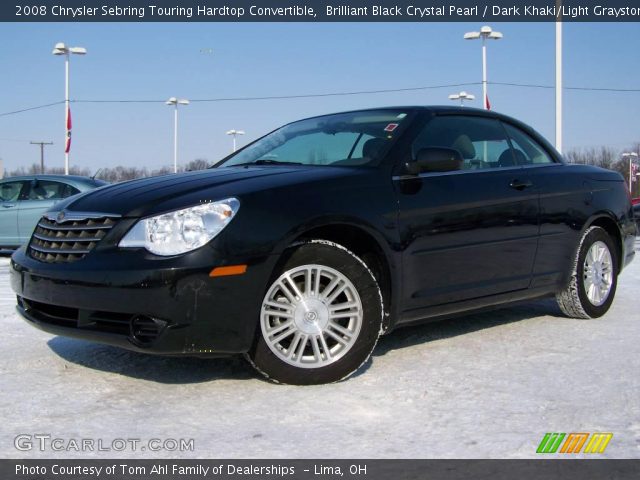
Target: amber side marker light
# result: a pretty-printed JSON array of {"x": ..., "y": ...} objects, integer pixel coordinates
[{"x": 226, "y": 271}]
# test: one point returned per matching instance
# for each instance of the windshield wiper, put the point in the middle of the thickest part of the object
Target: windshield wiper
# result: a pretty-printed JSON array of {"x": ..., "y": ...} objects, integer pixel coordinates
[
  {"x": 265, "y": 161},
  {"x": 269, "y": 161}
]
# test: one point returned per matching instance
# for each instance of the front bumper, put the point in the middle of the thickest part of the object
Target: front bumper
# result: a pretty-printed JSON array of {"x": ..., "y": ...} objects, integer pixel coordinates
[{"x": 174, "y": 302}]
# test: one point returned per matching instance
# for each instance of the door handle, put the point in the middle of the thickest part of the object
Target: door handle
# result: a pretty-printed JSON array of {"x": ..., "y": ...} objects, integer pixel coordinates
[
  {"x": 520, "y": 184},
  {"x": 8, "y": 205}
]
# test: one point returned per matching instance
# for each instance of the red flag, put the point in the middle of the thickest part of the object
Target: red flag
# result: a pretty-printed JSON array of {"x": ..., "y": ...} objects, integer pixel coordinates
[
  {"x": 487, "y": 104},
  {"x": 67, "y": 146}
]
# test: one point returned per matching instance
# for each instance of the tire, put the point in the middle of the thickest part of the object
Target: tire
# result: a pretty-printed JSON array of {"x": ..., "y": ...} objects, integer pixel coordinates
[
  {"x": 593, "y": 281},
  {"x": 300, "y": 340}
]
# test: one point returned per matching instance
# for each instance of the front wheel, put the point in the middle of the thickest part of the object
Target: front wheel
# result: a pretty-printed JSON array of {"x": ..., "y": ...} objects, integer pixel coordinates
[
  {"x": 593, "y": 279},
  {"x": 320, "y": 318}
]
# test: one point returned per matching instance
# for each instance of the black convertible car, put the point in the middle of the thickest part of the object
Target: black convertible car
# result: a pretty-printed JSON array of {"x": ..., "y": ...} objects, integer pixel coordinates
[{"x": 301, "y": 249}]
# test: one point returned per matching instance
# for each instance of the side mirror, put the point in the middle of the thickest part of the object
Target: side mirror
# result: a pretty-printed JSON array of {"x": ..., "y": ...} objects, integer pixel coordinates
[{"x": 435, "y": 159}]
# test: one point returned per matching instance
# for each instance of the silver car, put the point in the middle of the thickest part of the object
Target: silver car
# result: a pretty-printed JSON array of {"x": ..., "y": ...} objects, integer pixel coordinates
[{"x": 23, "y": 201}]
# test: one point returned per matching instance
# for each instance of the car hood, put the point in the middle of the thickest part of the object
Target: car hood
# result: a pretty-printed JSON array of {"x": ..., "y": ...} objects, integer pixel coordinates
[{"x": 137, "y": 197}]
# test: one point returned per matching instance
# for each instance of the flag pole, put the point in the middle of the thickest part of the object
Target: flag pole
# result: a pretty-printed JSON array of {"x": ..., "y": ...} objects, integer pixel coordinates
[{"x": 67, "y": 135}]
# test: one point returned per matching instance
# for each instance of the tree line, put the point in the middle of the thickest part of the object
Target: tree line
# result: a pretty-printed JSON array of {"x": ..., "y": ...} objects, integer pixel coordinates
[
  {"x": 111, "y": 174},
  {"x": 605, "y": 157}
]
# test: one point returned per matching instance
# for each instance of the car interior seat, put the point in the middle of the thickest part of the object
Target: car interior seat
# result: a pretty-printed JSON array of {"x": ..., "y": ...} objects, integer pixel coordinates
[
  {"x": 372, "y": 147},
  {"x": 465, "y": 146},
  {"x": 39, "y": 193},
  {"x": 6, "y": 193},
  {"x": 521, "y": 158},
  {"x": 512, "y": 158}
]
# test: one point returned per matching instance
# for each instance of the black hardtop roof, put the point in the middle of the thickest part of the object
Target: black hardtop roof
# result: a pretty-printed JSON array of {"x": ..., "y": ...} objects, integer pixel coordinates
[{"x": 435, "y": 109}]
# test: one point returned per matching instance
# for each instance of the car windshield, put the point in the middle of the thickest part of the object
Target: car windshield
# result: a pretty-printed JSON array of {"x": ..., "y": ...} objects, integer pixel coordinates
[{"x": 346, "y": 139}]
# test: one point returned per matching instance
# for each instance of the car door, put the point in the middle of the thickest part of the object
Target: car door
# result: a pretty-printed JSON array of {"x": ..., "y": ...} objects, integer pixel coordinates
[
  {"x": 39, "y": 197},
  {"x": 563, "y": 198},
  {"x": 467, "y": 233},
  {"x": 10, "y": 194}
]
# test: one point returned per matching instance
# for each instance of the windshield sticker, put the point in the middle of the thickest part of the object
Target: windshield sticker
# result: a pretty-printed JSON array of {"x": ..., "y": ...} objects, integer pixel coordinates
[
  {"x": 391, "y": 127},
  {"x": 401, "y": 116}
]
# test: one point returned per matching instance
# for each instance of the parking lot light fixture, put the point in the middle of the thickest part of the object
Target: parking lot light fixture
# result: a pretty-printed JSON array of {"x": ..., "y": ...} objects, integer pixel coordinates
[
  {"x": 234, "y": 133},
  {"x": 485, "y": 33},
  {"x": 462, "y": 96},
  {"x": 632, "y": 156},
  {"x": 174, "y": 101}
]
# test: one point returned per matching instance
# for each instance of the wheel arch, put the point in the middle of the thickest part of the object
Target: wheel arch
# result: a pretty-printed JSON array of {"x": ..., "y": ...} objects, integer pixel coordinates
[
  {"x": 608, "y": 223},
  {"x": 364, "y": 243}
]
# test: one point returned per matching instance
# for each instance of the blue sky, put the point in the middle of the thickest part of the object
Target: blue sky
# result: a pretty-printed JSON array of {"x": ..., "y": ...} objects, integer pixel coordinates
[{"x": 157, "y": 61}]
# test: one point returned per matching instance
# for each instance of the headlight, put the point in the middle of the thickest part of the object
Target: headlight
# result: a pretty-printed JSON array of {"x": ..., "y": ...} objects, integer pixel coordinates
[{"x": 183, "y": 230}]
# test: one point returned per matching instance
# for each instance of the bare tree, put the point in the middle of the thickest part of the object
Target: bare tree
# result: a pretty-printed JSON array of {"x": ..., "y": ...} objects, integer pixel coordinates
[
  {"x": 34, "y": 169},
  {"x": 197, "y": 164},
  {"x": 622, "y": 166},
  {"x": 603, "y": 156},
  {"x": 114, "y": 174}
]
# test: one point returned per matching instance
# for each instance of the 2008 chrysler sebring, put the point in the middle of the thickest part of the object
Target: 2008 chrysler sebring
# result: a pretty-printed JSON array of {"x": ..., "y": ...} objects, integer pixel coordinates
[{"x": 301, "y": 249}]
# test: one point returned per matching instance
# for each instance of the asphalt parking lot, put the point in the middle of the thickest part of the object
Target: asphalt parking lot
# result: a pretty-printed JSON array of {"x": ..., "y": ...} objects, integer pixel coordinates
[{"x": 487, "y": 385}]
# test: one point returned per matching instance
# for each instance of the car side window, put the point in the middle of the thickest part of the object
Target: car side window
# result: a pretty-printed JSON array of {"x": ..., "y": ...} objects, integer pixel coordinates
[
  {"x": 48, "y": 190},
  {"x": 10, "y": 191},
  {"x": 526, "y": 149},
  {"x": 482, "y": 142},
  {"x": 68, "y": 191}
]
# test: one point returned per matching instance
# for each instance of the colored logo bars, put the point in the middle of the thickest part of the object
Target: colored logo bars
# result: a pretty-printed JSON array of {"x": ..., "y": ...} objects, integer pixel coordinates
[{"x": 573, "y": 442}]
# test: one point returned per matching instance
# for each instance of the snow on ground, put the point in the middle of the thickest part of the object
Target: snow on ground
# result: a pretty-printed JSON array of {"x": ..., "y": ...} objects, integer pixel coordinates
[{"x": 486, "y": 385}]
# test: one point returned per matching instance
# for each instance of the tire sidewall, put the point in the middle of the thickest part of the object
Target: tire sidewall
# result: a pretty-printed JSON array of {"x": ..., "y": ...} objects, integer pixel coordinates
[
  {"x": 339, "y": 258},
  {"x": 594, "y": 235}
]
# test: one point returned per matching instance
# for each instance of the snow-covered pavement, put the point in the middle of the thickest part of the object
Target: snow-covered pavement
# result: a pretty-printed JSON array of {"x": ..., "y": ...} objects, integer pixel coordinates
[{"x": 486, "y": 385}]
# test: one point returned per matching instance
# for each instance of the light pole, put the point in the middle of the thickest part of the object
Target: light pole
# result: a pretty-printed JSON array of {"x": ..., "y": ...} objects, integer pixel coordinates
[
  {"x": 175, "y": 102},
  {"x": 485, "y": 33},
  {"x": 234, "y": 133},
  {"x": 631, "y": 156},
  {"x": 462, "y": 96},
  {"x": 559, "y": 77},
  {"x": 62, "y": 49}
]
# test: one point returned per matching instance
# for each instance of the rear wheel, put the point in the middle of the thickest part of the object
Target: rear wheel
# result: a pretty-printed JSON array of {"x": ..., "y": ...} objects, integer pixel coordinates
[
  {"x": 594, "y": 277},
  {"x": 320, "y": 318}
]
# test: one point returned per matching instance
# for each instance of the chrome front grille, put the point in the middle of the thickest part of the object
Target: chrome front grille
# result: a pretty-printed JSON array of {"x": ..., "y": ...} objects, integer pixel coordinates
[{"x": 68, "y": 238}]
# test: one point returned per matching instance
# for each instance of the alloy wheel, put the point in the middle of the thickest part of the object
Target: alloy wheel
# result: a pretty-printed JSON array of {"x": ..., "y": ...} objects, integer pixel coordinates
[
  {"x": 311, "y": 316},
  {"x": 598, "y": 273}
]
